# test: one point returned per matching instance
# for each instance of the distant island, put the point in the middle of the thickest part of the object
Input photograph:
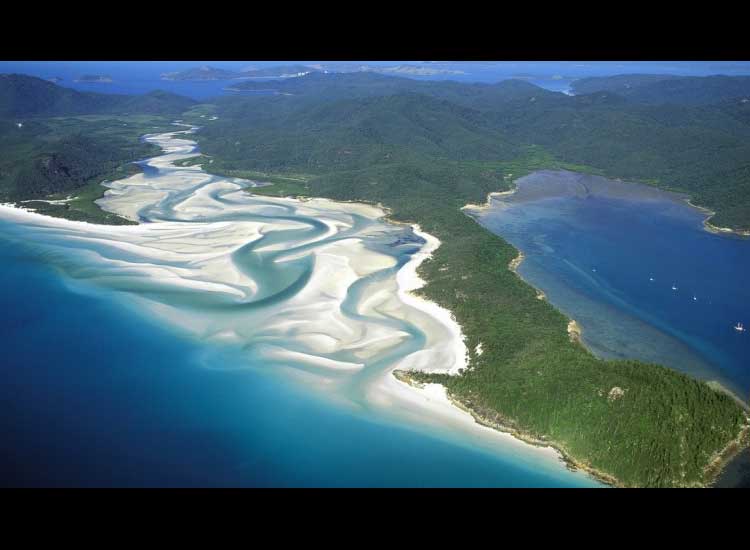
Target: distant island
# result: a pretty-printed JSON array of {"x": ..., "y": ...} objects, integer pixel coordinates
[
  {"x": 201, "y": 73},
  {"x": 93, "y": 78},
  {"x": 283, "y": 71},
  {"x": 291, "y": 71},
  {"x": 414, "y": 70},
  {"x": 212, "y": 73},
  {"x": 401, "y": 70}
]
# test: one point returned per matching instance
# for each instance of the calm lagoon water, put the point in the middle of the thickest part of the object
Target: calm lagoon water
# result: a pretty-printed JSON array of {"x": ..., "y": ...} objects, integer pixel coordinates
[{"x": 608, "y": 254}]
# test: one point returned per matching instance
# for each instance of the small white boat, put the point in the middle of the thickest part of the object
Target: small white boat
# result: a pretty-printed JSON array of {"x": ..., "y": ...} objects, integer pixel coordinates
[
  {"x": 651, "y": 279},
  {"x": 674, "y": 287},
  {"x": 695, "y": 299},
  {"x": 739, "y": 327}
]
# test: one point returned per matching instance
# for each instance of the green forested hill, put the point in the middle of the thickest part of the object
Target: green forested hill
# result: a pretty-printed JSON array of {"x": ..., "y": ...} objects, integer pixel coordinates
[
  {"x": 319, "y": 87},
  {"x": 704, "y": 151},
  {"x": 56, "y": 141},
  {"x": 659, "y": 89},
  {"x": 350, "y": 133},
  {"x": 24, "y": 96},
  {"x": 354, "y": 120},
  {"x": 620, "y": 84},
  {"x": 56, "y": 157},
  {"x": 64, "y": 165},
  {"x": 700, "y": 149},
  {"x": 424, "y": 157}
]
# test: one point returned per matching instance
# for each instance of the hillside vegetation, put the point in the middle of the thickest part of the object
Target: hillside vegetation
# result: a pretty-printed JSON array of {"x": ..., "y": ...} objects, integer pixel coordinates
[
  {"x": 680, "y": 141},
  {"x": 424, "y": 157},
  {"x": 660, "y": 89},
  {"x": 56, "y": 142}
]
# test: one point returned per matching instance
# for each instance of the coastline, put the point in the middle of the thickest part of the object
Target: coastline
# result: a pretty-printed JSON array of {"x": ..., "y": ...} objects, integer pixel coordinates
[
  {"x": 488, "y": 203},
  {"x": 719, "y": 387},
  {"x": 574, "y": 328},
  {"x": 715, "y": 465},
  {"x": 447, "y": 408},
  {"x": 484, "y": 420},
  {"x": 409, "y": 281},
  {"x": 680, "y": 196},
  {"x": 712, "y": 470},
  {"x": 442, "y": 412},
  {"x": 711, "y": 228},
  {"x": 574, "y": 332},
  {"x": 522, "y": 436},
  {"x": 515, "y": 263}
]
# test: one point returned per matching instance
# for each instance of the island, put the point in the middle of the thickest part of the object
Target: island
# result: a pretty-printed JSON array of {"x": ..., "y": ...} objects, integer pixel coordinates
[
  {"x": 99, "y": 78},
  {"x": 205, "y": 72},
  {"x": 283, "y": 71},
  {"x": 414, "y": 70}
]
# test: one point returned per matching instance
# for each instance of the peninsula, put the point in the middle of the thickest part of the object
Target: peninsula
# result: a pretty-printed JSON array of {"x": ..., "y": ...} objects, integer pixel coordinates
[{"x": 424, "y": 150}]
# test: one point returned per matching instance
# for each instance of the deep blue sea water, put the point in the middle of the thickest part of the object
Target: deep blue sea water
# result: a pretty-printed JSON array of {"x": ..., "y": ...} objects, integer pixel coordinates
[
  {"x": 594, "y": 254},
  {"x": 94, "y": 394}
]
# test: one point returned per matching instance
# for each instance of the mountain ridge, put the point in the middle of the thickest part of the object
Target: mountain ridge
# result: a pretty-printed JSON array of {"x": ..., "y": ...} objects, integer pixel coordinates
[{"x": 28, "y": 96}]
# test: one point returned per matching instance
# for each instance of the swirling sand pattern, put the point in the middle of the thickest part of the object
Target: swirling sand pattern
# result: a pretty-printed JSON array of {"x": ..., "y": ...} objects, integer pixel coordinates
[{"x": 313, "y": 288}]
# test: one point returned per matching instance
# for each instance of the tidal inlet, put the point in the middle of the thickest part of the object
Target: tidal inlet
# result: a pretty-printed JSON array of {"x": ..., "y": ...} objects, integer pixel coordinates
[{"x": 292, "y": 314}]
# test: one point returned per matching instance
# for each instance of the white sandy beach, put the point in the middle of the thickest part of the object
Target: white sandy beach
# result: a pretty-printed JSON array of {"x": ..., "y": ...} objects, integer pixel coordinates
[{"x": 220, "y": 264}]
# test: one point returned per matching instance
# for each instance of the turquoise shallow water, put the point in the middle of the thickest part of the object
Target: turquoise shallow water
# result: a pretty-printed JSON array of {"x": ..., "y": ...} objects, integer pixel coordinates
[
  {"x": 159, "y": 355},
  {"x": 94, "y": 394},
  {"x": 608, "y": 254}
]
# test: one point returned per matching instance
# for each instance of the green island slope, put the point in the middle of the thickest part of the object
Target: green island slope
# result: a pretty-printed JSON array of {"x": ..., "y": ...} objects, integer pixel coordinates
[
  {"x": 67, "y": 159},
  {"x": 58, "y": 144},
  {"x": 628, "y": 423},
  {"x": 531, "y": 378},
  {"x": 688, "y": 134}
]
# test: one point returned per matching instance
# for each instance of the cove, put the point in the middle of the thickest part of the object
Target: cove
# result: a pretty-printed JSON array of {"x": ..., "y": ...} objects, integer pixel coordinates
[{"x": 635, "y": 268}]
